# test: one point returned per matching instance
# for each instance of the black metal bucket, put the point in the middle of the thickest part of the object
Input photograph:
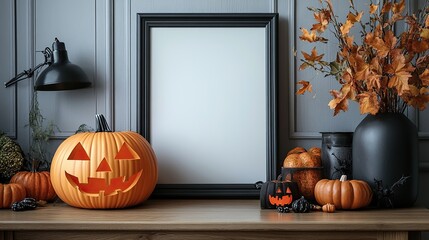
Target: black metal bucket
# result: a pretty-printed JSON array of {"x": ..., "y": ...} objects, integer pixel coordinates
[{"x": 337, "y": 154}]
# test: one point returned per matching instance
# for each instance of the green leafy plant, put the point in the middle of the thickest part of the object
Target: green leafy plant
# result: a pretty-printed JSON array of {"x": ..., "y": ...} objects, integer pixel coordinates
[
  {"x": 11, "y": 158},
  {"x": 84, "y": 128}
]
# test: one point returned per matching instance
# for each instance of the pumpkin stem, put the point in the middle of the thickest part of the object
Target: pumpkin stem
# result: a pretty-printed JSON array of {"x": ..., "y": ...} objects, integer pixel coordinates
[
  {"x": 101, "y": 123},
  {"x": 34, "y": 165},
  {"x": 343, "y": 178}
]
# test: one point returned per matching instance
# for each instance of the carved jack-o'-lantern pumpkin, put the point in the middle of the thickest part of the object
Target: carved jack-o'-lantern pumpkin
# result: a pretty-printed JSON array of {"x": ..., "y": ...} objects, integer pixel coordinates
[
  {"x": 104, "y": 169},
  {"x": 278, "y": 193},
  {"x": 281, "y": 197}
]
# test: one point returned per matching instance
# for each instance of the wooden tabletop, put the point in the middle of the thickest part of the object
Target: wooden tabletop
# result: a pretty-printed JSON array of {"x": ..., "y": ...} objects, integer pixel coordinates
[{"x": 211, "y": 215}]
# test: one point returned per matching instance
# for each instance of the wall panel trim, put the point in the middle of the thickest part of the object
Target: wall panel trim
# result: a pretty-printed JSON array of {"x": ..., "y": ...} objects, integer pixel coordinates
[
  {"x": 127, "y": 55},
  {"x": 104, "y": 58},
  {"x": 293, "y": 133},
  {"x": 13, "y": 118},
  {"x": 104, "y": 66}
]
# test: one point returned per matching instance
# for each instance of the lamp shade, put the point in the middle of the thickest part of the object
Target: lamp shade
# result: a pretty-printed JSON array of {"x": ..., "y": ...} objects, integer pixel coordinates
[{"x": 61, "y": 74}]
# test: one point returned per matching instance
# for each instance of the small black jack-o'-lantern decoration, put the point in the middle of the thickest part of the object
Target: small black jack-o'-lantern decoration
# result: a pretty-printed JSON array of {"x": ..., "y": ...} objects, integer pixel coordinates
[{"x": 278, "y": 193}]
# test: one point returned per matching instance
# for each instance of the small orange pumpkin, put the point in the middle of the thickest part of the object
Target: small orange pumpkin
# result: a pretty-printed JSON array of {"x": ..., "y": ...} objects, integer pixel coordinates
[
  {"x": 37, "y": 184},
  {"x": 10, "y": 193},
  {"x": 104, "y": 169},
  {"x": 328, "y": 208},
  {"x": 343, "y": 193}
]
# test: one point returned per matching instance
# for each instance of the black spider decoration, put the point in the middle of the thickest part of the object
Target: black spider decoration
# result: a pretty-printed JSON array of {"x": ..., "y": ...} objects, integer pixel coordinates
[
  {"x": 384, "y": 195},
  {"x": 344, "y": 167}
]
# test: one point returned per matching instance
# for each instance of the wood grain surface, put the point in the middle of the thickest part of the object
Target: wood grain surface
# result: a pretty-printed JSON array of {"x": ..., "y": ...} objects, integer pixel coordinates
[{"x": 210, "y": 215}]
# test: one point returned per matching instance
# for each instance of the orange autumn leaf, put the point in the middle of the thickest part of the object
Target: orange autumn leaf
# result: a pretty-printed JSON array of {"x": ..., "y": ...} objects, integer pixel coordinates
[
  {"x": 427, "y": 21},
  {"x": 390, "y": 39},
  {"x": 381, "y": 47},
  {"x": 378, "y": 44},
  {"x": 348, "y": 91},
  {"x": 313, "y": 57},
  {"x": 401, "y": 72},
  {"x": 424, "y": 77},
  {"x": 422, "y": 61},
  {"x": 378, "y": 31},
  {"x": 398, "y": 7},
  {"x": 373, "y": 8},
  {"x": 339, "y": 103},
  {"x": 322, "y": 21},
  {"x": 354, "y": 18},
  {"x": 368, "y": 103},
  {"x": 418, "y": 97},
  {"x": 308, "y": 36},
  {"x": 425, "y": 33},
  {"x": 369, "y": 38},
  {"x": 349, "y": 41},
  {"x": 386, "y": 7},
  {"x": 345, "y": 28},
  {"x": 347, "y": 75},
  {"x": 374, "y": 77},
  {"x": 418, "y": 46},
  {"x": 306, "y": 86},
  {"x": 361, "y": 68},
  {"x": 374, "y": 81}
]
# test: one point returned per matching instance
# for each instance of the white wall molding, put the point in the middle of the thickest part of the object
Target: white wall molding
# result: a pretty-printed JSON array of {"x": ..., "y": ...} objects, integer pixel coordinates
[
  {"x": 412, "y": 6},
  {"x": 274, "y": 6},
  {"x": 127, "y": 27},
  {"x": 24, "y": 59},
  {"x": 13, "y": 117},
  {"x": 122, "y": 67},
  {"x": 102, "y": 84},
  {"x": 104, "y": 58}
]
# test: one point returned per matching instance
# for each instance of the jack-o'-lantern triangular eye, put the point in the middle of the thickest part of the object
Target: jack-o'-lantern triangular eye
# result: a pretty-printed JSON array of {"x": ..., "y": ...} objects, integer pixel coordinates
[
  {"x": 78, "y": 153},
  {"x": 104, "y": 166},
  {"x": 126, "y": 153}
]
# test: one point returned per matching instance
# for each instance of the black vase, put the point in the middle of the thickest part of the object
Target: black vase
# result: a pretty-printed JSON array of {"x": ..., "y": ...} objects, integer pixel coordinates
[
  {"x": 385, "y": 154},
  {"x": 337, "y": 154}
]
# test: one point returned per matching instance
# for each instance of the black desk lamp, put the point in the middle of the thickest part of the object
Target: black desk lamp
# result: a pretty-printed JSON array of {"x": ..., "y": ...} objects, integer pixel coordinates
[{"x": 61, "y": 74}]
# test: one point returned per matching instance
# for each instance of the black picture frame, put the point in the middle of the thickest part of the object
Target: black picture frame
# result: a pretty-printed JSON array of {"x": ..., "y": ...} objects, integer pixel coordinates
[{"x": 268, "y": 21}]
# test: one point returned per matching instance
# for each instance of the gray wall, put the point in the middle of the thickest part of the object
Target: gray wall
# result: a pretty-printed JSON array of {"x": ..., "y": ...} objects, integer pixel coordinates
[{"x": 100, "y": 36}]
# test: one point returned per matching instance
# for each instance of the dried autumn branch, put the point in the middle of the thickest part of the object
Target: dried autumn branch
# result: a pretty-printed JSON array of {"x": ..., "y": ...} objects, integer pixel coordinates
[{"x": 386, "y": 72}]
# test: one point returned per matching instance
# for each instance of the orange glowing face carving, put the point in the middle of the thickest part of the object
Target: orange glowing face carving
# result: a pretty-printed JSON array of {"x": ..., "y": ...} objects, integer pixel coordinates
[
  {"x": 107, "y": 185},
  {"x": 281, "y": 199}
]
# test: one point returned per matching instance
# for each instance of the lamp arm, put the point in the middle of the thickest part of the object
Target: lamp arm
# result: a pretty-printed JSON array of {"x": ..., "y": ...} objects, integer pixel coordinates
[
  {"x": 24, "y": 75},
  {"x": 30, "y": 72}
]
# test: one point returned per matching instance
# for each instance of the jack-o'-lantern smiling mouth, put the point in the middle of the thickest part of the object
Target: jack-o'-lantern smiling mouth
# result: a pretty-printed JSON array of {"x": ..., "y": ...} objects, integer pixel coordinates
[{"x": 100, "y": 186}]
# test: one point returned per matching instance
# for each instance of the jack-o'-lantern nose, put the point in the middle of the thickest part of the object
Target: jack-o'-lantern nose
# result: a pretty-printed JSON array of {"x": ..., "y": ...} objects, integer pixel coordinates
[{"x": 104, "y": 166}]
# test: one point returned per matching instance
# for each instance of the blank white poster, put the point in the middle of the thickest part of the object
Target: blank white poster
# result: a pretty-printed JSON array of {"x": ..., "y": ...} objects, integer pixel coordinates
[{"x": 208, "y": 104}]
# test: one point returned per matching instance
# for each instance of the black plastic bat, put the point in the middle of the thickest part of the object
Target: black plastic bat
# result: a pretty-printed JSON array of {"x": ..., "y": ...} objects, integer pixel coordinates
[{"x": 385, "y": 194}]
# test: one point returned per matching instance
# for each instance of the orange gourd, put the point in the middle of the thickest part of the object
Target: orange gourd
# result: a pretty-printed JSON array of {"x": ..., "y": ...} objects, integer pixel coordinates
[
  {"x": 343, "y": 193},
  {"x": 104, "y": 169},
  {"x": 328, "y": 208},
  {"x": 37, "y": 184},
  {"x": 10, "y": 193}
]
